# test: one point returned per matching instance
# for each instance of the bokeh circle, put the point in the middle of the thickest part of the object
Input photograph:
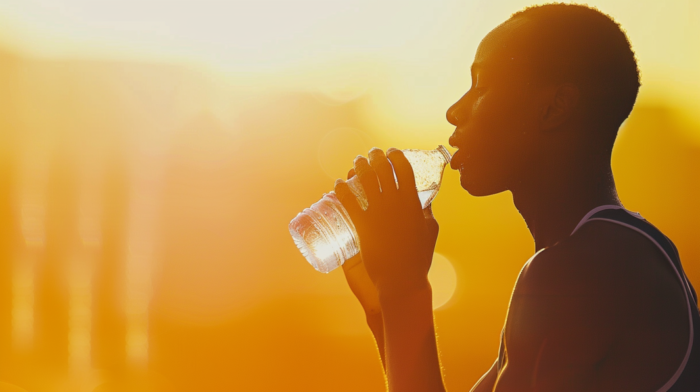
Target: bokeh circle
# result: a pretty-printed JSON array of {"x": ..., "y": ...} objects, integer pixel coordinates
[{"x": 443, "y": 280}]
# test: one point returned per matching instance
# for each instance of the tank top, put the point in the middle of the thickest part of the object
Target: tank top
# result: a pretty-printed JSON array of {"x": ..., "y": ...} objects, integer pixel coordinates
[{"x": 687, "y": 376}]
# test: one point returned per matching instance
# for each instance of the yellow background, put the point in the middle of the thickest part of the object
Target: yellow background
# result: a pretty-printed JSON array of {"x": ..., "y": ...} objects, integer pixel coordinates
[{"x": 153, "y": 153}]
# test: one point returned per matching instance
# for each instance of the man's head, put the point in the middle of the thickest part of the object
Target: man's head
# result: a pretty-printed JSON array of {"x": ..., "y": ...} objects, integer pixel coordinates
[{"x": 553, "y": 82}]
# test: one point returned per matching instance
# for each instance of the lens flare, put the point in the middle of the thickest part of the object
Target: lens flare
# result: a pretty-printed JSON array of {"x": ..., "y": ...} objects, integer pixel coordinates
[{"x": 443, "y": 280}]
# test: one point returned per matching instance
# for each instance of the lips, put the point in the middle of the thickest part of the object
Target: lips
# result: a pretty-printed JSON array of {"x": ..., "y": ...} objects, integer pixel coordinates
[{"x": 458, "y": 158}]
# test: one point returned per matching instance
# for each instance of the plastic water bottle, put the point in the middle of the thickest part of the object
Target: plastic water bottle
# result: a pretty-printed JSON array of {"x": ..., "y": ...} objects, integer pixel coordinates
[{"x": 324, "y": 233}]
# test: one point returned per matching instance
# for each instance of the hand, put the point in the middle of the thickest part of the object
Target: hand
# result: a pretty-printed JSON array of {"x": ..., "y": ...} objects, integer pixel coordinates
[
  {"x": 359, "y": 281},
  {"x": 397, "y": 238}
]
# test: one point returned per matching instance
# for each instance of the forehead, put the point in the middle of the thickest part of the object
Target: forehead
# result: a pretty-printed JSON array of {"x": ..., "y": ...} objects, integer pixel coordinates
[{"x": 505, "y": 47}]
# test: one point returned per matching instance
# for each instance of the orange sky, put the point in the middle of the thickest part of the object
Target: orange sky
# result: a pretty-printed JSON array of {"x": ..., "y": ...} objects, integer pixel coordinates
[{"x": 214, "y": 123}]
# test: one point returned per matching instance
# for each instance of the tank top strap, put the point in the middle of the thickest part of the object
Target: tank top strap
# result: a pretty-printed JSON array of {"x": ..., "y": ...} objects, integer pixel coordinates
[
  {"x": 592, "y": 212},
  {"x": 687, "y": 375}
]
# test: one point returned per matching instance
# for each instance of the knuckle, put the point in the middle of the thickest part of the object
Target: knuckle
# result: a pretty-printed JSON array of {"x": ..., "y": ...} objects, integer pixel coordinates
[
  {"x": 376, "y": 153},
  {"x": 359, "y": 160},
  {"x": 394, "y": 152},
  {"x": 341, "y": 191}
]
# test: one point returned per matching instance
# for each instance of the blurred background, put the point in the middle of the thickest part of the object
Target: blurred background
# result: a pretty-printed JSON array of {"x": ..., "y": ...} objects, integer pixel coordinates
[{"x": 153, "y": 152}]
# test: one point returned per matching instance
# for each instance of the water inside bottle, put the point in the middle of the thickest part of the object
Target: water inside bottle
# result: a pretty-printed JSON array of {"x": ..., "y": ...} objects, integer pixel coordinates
[{"x": 427, "y": 196}]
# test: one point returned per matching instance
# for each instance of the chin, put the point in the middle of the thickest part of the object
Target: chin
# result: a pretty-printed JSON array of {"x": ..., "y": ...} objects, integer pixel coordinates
[{"x": 481, "y": 188}]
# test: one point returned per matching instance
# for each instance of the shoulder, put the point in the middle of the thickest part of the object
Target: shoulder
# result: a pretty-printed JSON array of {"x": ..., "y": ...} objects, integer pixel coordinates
[
  {"x": 601, "y": 258},
  {"x": 604, "y": 300}
]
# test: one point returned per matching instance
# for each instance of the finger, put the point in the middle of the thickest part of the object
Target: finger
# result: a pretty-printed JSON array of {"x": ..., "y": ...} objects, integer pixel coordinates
[
  {"x": 352, "y": 262},
  {"x": 347, "y": 198},
  {"x": 428, "y": 212},
  {"x": 351, "y": 173},
  {"x": 432, "y": 229},
  {"x": 384, "y": 170},
  {"x": 404, "y": 174},
  {"x": 430, "y": 221},
  {"x": 368, "y": 179}
]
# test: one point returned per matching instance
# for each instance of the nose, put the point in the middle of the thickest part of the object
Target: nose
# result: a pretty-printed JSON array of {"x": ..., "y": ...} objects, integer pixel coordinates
[
  {"x": 452, "y": 114},
  {"x": 455, "y": 116},
  {"x": 456, "y": 112}
]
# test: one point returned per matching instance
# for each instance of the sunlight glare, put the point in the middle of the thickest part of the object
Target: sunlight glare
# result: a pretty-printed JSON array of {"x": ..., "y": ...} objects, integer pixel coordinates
[
  {"x": 338, "y": 149},
  {"x": 443, "y": 280}
]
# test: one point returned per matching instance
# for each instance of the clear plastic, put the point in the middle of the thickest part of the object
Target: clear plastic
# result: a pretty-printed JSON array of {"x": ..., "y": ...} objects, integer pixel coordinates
[{"x": 324, "y": 232}]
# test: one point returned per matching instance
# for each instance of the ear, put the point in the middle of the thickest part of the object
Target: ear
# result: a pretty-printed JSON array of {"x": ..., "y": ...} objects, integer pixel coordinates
[{"x": 561, "y": 106}]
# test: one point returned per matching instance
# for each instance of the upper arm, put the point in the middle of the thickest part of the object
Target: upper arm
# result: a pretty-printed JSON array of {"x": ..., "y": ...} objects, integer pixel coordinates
[
  {"x": 588, "y": 316},
  {"x": 562, "y": 321},
  {"x": 555, "y": 343}
]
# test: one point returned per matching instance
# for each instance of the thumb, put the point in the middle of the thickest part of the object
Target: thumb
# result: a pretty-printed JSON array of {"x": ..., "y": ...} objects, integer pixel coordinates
[{"x": 430, "y": 221}]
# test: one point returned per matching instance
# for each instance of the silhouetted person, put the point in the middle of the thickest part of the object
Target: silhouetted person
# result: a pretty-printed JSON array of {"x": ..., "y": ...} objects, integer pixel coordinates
[{"x": 603, "y": 305}]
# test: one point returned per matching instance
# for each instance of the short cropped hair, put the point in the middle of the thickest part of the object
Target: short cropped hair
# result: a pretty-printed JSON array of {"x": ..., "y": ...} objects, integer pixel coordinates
[{"x": 578, "y": 44}]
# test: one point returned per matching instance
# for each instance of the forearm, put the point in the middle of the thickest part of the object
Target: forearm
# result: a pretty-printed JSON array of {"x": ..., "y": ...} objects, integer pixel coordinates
[{"x": 411, "y": 355}]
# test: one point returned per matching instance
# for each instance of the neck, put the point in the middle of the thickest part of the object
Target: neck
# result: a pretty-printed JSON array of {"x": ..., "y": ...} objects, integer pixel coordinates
[{"x": 553, "y": 205}]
